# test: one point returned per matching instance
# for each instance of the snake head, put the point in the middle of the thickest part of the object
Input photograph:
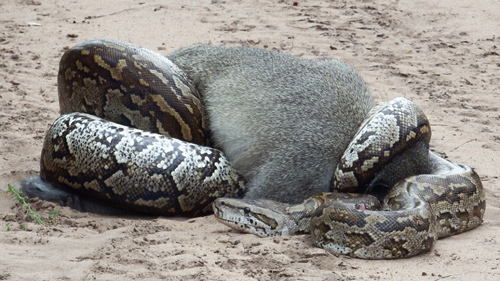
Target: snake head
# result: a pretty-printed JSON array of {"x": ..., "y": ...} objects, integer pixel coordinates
[{"x": 263, "y": 218}]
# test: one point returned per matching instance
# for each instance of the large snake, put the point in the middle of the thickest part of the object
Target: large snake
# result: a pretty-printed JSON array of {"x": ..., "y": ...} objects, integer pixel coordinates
[
  {"x": 447, "y": 200},
  {"x": 146, "y": 150}
]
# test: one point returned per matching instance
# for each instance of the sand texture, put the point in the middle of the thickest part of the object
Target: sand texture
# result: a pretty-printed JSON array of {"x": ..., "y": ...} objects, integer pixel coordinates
[{"x": 444, "y": 55}]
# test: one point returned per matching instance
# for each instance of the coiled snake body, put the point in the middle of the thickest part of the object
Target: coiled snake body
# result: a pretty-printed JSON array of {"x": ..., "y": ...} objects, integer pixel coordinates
[
  {"x": 157, "y": 161},
  {"x": 447, "y": 200}
]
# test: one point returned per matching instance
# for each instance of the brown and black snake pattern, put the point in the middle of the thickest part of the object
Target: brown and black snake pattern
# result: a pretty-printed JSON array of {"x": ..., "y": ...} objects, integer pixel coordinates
[
  {"x": 163, "y": 166},
  {"x": 386, "y": 133}
]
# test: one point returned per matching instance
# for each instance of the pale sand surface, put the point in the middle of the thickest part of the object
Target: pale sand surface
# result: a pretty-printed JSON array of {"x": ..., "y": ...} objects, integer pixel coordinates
[{"x": 444, "y": 55}]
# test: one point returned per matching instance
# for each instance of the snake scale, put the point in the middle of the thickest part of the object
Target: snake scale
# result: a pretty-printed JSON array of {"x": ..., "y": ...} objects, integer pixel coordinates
[{"x": 137, "y": 127}]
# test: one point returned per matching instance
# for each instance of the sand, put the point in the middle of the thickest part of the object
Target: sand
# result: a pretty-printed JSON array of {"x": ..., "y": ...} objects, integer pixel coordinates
[{"x": 444, "y": 55}]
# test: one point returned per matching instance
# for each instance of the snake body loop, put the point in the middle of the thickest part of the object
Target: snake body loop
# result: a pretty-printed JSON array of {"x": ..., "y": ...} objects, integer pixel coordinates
[
  {"x": 390, "y": 129},
  {"x": 131, "y": 86},
  {"x": 417, "y": 211},
  {"x": 134, "y": 169}
]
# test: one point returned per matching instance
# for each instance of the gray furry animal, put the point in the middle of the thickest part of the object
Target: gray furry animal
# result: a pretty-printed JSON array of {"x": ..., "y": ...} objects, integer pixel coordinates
[{"x": 283, "y": 122}]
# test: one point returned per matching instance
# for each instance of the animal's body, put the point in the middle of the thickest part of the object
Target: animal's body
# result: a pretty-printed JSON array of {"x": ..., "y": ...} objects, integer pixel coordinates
[{"x": 282, "y": 122}]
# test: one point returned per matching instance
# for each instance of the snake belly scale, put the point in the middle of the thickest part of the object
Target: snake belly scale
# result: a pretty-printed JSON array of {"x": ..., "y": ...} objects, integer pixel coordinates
[{"x": 134, "y": 133}]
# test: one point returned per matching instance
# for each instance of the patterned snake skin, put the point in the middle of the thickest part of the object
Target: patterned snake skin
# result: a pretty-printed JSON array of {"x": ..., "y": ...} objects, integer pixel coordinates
[
  {"x": 162, "y": 166},
  {"x": 447, "y": 200},
  {"x": 144, "y": 148}
]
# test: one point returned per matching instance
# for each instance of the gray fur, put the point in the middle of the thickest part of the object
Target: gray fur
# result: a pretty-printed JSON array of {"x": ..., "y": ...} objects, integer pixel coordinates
[
  {"x": 413, "y": 161},
  {"x": 282, "y": 121}
]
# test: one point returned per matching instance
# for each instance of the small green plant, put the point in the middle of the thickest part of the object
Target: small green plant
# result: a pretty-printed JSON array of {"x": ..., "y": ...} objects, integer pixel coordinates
[
  {"x": 7, "y": 225},
  {"x": 53, "y": 216},
  {"x": 24, "y": 201}
]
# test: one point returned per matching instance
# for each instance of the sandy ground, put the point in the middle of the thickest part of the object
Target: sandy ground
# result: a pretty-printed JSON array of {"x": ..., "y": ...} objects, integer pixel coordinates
[{"x": 444, "y": 55}]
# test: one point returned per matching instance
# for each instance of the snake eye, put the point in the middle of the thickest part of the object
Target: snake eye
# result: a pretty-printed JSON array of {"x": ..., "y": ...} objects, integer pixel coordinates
[{"x": 246, "y": 210}]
